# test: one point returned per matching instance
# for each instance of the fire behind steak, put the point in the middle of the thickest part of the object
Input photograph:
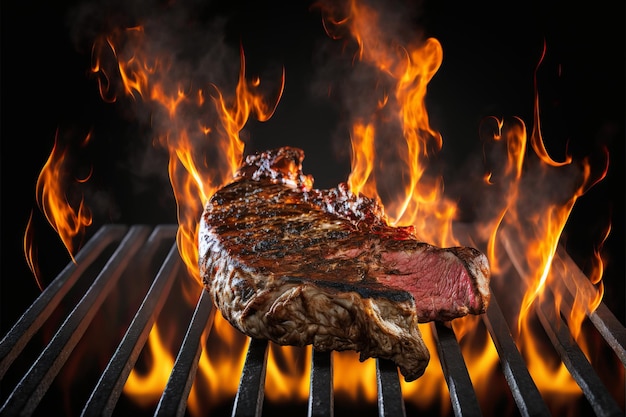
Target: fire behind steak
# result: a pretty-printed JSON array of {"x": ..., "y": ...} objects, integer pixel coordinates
[{"x": 298, "y": 266}]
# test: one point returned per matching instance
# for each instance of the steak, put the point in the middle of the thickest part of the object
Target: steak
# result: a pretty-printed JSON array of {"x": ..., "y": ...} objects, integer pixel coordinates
[{"x": 298, "y": 265}]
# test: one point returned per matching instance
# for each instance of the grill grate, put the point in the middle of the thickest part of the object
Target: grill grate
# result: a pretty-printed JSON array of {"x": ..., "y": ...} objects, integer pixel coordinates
[{"x": 124, "y": 249}]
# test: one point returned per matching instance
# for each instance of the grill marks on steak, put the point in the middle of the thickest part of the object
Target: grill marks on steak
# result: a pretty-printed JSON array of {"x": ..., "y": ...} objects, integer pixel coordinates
[{"x": 299, "y": 266}]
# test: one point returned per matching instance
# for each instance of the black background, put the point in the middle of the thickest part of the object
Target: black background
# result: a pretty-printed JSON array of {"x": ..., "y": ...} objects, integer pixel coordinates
[{"x": 490, "y": 52}]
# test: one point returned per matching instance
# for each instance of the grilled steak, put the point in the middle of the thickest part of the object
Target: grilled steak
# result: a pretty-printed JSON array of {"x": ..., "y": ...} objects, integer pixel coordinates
[{"x": 298, "y": 266}]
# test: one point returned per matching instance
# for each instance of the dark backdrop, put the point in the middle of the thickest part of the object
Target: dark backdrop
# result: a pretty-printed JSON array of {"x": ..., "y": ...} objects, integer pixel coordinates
[{"x": 490, "y": 52}]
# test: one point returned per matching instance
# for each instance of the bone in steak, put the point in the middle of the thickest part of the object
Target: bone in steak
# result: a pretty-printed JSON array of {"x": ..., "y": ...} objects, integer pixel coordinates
[{"x": 298, "y": 266}]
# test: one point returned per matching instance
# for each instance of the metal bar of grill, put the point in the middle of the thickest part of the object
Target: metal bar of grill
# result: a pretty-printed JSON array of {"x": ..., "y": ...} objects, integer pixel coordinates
[
  {"x": 31, "y": 321},
  {"x": 249, "y": 398},
  {"x": 523, "y": 388},
  {"x": 390, "y": 402},
  {"x": 611, "y": 329},
  {"x": 602, "y": 318},
  {"x": 174, "y": 398},
  {"x": 321, "y": 400},
  {"x": 462, "y": 395},
  {"x": 36, "y": 382},
  {"x": 575, "y": 360},
  {"x": 109, "y": 387}
]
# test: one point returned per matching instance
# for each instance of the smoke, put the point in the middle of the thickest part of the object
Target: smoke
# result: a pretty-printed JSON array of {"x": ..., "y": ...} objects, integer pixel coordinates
[
  {"x": 357, "y": 87},
  {"x": 183, "y": 46},
  {"x": 198, "y": 48}
]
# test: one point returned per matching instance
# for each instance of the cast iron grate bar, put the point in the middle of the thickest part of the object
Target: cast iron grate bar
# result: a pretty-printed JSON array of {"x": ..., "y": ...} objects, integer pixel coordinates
[
  {"x": 321, "y": 399},
  {"x": 18, "y": 336},
  {"x": 174, "y": 398},
  {"x": 602, "y": 318},
  {"x": 30, "y": 390},
  {"x": 604, "y": 321},
  {"x": 559, "y": 333},
  {"x": 577, "y": 284},
  {"x": 390, "y": 401},
  {"x": 575, "y": 360},
  {"x": 249, "y": 398},
  {"x": 462, "y": 394},
  {"x": 111, "y": 383},
  {"x": 611, "y": 329},
  {"x": 523, "y": 388}
]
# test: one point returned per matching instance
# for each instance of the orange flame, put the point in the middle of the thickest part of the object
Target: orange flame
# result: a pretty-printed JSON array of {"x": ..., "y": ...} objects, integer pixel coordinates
[
  {"x": 536, "y": 139},
  {"x": 531, "y": 227},
  {"x": 288, "y": 373},
  {"x": 223, "y": 354},
  {"x": 193, "y": 174},
  {"x": 406, "y": 70},
  {"x": 193, "y": 179},
  {"x": 155, "y": 377},
  {"x": 68, "y": 215},
  {"x": 363, "y": 153}
]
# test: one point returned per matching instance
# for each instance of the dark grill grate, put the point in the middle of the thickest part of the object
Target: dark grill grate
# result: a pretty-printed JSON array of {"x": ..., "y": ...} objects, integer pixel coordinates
[{"x": 128, "y": 252}]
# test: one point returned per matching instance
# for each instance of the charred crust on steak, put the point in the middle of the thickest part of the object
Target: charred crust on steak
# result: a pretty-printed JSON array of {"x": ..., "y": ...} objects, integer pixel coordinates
[
  {"x": 299, "y": 266},
  {"x": 282, "y": 165}
]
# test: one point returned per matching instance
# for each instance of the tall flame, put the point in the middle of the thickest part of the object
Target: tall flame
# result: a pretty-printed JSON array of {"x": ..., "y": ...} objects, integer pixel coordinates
[
  {"x": 536, "y": 137},
  {"x": 203, "y": 156},
  {"x": 405, "y": 71},
  {"x": 193, "y": 176},
  {"x": 531, "y": 223},
  {"x": 67, "y": 214}
]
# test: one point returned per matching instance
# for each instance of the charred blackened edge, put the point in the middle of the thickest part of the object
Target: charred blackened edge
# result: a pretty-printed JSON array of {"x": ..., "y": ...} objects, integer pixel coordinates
[{"x": 364, "y": 290}]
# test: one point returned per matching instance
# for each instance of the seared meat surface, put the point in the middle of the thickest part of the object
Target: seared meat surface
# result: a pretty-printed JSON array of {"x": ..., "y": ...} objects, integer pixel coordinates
[{"x": 298, "y": 266}]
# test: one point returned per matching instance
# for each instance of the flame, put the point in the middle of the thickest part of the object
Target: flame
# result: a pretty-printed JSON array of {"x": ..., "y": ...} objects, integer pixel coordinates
[
  {"x": 203, "y": 156},
  {"x": 30, "y": 251},
  {"x": 146, "y": 388},
  {"x": 536, "y": 139},
  {"x": 405, "y": 70},
  {"x": 362, "y": 160},
  {"x": 192, "y": 177},
  {"x": 543, "y": 259},
  {"x": 288, "y": 373},
  {"x": 68, "y": 215},
  {"x": 531, "y": 226},
  {"x": 223, "y": 354},
  {"x": 346, "y": 365},
  {"x": 392, "y": 145}
]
